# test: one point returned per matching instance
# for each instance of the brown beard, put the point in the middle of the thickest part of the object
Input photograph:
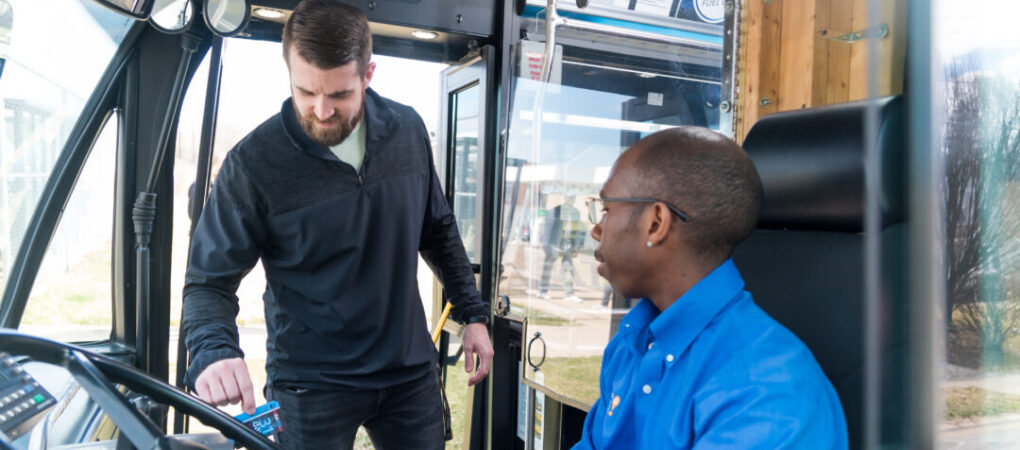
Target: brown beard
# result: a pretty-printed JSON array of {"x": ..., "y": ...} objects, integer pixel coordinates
[{"x": 329, "y": 137}]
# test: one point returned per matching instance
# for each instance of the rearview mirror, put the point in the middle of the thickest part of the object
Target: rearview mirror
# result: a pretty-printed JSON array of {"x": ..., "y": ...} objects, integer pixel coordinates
[
  {"x": 227, "y": 17},
  {"x": 139, "y": 9},
  {"x": 171, "y": 16}
]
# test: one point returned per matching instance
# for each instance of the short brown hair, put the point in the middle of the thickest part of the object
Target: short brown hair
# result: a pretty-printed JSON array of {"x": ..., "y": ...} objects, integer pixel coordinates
[
  {"x": 328, "y": 34},
  {"x": 709, "y": 177}
]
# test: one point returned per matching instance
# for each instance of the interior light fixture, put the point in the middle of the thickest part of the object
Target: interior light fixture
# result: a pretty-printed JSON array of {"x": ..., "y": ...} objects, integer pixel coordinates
[
  {"x": 426, "y": 35},
  {"x": 268, "y": 13},
  {"x": 646, "y": 75}
]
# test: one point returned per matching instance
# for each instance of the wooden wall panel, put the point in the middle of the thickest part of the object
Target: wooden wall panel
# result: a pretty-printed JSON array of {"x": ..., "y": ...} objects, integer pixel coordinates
[
  {"x": 788, "y": 60},
  {"x": 820, "y": 54},
  {"x": 840, "y": 22},
  {"x": 760, "y": 66},
  {"x": 892, "y": 54},
  {"x": 859, "y": 53},
  {"x": 796, "y": 59},
  {"x": 749, "y": 84},
  {"x": 890, "y": 58},
  {"x": 770, "y": 57}
]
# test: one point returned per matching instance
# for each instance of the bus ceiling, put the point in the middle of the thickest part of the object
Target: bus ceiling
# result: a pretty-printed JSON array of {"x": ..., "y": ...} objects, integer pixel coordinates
[
  {"x": 436, "y": 30},
  {"x": 443, "y": 32}
]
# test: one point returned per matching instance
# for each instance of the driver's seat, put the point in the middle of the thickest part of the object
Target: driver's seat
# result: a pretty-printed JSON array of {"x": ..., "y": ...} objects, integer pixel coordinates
[{"x": 804, "y": 264}]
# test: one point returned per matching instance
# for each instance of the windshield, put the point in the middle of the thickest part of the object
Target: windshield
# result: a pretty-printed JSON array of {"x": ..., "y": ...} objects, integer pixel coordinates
[{"x": 51, "y": 66}]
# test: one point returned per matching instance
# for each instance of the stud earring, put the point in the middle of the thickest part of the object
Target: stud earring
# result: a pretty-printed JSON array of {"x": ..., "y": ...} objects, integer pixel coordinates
[{"x": 649, "y": 244}]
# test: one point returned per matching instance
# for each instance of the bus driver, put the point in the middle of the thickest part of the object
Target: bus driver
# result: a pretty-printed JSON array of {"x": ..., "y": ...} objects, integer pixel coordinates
[{"x": 696, "y": 364}]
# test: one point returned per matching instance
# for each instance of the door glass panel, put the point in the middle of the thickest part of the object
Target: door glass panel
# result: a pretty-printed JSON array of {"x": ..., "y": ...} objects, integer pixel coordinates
[
  {"x": 71, "y": 299},
  {"x": 557, "y": 158},
  {"x": 466, "y": 170},
  {"x": 42, "y": 98},
  {"x": 980, "y": 60}
]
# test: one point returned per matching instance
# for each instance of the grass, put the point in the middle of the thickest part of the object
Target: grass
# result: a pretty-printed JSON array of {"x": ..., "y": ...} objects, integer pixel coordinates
[
  {"x": 79, "y": 295},
  {"x": 970, "y": 403},
  {"x": 456, "y": 395},
  {"x": 578, "y": 378},
  {"x": 538, "y": 317}
]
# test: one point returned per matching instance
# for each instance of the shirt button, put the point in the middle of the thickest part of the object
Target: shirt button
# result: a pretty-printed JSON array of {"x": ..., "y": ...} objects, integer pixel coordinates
[
  {"x": 650, "y": 345},
  {"x": 646, "y": 389},
  {"x": 669, "y": 358}
]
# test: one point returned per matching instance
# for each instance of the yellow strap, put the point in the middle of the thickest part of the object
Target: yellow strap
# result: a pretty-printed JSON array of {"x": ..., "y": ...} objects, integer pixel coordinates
[{"x": 442, "y": 321}]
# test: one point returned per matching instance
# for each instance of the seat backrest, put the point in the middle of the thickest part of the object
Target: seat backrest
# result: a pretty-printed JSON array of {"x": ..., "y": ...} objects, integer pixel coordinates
[{"x": 804, "y": 264}]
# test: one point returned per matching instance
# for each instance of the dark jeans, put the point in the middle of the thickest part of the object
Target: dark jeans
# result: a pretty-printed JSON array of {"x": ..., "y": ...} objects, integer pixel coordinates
[{"x": 405, "y": 416}]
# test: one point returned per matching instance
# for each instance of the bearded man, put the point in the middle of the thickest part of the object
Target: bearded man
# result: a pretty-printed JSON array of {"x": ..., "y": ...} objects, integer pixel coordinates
[{"x": 337, "y": 194}]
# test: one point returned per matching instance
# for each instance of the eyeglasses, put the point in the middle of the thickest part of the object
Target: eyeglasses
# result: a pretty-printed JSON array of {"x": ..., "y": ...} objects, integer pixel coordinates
[{"x": 595, "y": 212}]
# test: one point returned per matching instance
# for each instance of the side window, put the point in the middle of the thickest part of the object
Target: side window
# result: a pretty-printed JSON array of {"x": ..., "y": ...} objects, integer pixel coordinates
[
  {"x": 980, "y": 144},
  {"x": 71, "y": 297}
]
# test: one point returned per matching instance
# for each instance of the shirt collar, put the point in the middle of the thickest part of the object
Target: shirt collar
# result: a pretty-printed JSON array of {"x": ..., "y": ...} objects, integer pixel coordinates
[
  {"x": 378, "y": 121},
  {"x": 356, "y": 139},
  {"x": 678, "y": 326}
]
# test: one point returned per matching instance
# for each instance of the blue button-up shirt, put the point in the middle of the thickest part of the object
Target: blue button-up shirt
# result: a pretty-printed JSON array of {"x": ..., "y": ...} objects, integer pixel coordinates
[{"x": 712, "y": 371}]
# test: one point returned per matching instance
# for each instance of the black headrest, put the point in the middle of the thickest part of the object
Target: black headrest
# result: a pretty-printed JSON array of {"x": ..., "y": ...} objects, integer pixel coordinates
[{"x": 811, "y": 163}]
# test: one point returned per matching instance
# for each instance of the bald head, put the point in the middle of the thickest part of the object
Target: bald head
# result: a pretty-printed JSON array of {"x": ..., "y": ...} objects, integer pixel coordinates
[{"x": 707, "y": 176}]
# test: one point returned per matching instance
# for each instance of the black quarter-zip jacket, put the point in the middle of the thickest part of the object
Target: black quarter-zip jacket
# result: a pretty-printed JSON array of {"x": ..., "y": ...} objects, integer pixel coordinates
[{"x": 339, "y": 249}]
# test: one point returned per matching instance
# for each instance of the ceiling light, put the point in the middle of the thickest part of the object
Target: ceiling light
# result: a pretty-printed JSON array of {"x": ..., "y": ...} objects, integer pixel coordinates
[
  {"x": 269, "y": 13},
  {"x": 646, "y": 75},
  {"x": 426, "y": 35}
]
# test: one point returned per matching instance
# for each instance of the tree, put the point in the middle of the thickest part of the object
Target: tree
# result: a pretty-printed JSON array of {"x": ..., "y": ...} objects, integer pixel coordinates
[{"x": 982, "y": 155}]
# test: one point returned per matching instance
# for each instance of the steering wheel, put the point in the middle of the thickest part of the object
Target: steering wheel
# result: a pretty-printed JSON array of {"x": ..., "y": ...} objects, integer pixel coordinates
[{"x": 96, "y": 372}]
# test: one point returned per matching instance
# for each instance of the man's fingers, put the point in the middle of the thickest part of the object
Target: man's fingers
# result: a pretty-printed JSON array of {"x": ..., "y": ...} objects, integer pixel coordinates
[
  {"x": 247, "y": 390},
  {"x": 202, "y": 389},
  {"x": 226, "y": 382},
  {"x": 469, "y": 359},
  {"x": 216, "y": 395},
  {"x": 484, "y": 362},
  {"x": 476, "y": 343},
  {"x": 230, "y": 391}
]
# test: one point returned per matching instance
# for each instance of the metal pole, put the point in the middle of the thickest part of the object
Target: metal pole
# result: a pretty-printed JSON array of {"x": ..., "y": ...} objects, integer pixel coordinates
[{"x": 144, "y": 212}]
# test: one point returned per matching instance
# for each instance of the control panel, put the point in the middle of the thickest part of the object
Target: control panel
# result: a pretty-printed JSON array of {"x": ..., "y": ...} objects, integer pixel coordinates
[{"x": 23, "y": 402}]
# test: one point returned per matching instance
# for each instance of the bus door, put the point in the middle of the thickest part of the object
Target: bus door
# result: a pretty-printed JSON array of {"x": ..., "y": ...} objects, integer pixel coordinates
[{"x": 464, "y": 149}]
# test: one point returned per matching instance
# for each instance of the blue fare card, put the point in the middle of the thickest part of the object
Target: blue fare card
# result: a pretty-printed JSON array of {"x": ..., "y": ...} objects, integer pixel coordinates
[{"x": 266, "y": 420}]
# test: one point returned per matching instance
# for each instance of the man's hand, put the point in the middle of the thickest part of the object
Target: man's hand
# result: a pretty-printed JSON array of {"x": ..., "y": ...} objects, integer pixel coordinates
[
  {"x": 226, "y": 382},
  {"x": 475, "y": 340}
]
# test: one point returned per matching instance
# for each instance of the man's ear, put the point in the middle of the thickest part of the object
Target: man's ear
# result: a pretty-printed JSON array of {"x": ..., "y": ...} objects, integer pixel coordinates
[
  {"x": 659, "y": 221},
  {"x": 369, "y": 71}
]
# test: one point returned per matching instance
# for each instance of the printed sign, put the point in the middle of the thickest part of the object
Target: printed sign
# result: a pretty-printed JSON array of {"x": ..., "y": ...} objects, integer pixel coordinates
[
  {"x": 522, "y": 408},
  {"x": 711, "y": 11},
  {"x": 532, "y": 55}
]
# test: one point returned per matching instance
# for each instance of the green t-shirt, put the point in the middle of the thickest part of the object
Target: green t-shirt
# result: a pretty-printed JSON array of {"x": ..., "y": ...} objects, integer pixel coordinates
[{"x": 352, "y": 149}]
